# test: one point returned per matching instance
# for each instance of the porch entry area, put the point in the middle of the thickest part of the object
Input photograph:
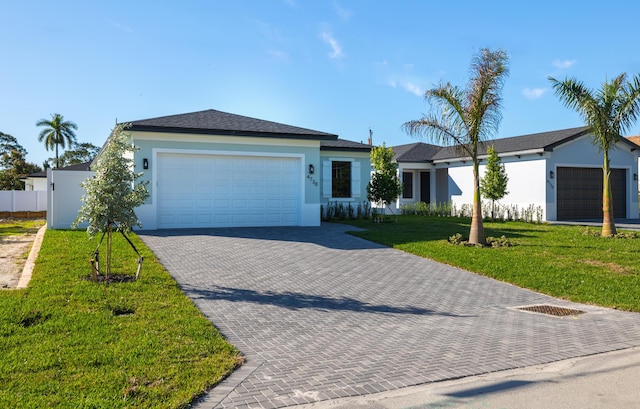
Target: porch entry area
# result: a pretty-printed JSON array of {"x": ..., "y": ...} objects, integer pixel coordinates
[{"x": 416, "y": 192}]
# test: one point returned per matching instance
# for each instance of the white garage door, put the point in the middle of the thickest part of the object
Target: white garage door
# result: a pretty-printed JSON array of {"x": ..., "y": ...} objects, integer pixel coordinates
[{"x": 227, "y": 191}]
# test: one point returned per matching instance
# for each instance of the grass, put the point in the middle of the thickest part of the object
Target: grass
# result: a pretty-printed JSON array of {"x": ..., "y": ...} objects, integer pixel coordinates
[
  {"x": 15, "y": 227},
  {"x": 562, "y": 261},
  {"x": 69, "y": 342}
]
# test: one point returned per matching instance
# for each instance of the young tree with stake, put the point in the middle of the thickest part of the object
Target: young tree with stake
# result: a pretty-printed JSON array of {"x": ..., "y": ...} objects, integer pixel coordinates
[{"x": 112, "y": 195}]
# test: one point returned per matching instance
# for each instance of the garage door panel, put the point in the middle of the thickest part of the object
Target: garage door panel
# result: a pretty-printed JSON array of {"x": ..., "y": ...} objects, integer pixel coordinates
[
  {"x": 224, "y": 191},
  {"x": 580, "y": 193}
]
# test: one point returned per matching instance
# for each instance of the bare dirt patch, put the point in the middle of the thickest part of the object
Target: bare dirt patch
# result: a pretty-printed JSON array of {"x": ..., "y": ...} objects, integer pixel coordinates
[
  {"x": 14, "y": 251},
  {"x": 613, "y": 267}
]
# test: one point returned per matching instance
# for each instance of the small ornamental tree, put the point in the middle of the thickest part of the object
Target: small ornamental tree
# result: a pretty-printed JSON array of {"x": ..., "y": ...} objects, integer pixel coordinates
[
  {"x": 494, "y": 183},
  {"x": 112, "y": 195},
  {"x": 384, "y": 186}
]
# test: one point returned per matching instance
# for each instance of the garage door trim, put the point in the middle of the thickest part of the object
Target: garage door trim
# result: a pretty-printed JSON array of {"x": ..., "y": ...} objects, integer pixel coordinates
[
  {"x": 160, "y": 151},
  {"x": 621, "y": 199}
]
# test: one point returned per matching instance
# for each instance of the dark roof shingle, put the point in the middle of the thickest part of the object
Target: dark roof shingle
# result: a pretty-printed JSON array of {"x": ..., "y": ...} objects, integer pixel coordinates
[
  {"x": 422, "y": 152},
  {"x": 77, "y": 166},
  {"x": 542, "y": 140},
  {"x": 213, "y": 121},
  {"x": 415, "y": 152},
  {"x": 341, "y": 145}
]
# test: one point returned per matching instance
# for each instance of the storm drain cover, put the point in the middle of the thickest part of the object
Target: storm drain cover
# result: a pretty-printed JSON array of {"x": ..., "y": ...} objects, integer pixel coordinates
[{"x": 551, "y": 310}]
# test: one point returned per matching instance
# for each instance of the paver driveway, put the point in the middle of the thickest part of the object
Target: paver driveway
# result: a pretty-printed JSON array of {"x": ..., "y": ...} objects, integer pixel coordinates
[{"x": 320, "y": 314}]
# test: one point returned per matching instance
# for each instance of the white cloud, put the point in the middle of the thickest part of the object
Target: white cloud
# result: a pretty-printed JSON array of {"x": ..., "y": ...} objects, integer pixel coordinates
[
  {"x": 343, "y": 13},
  {"x": 392, "y": 83},
  {"x": 563, "y": 64},
  {"x": 336, "y": 49},
  {"x": 408, "y": 66},
  {"x": 413, "y": 88},
  {"x": 534, "y": 93},
  {"x": 291, "y": 3}
]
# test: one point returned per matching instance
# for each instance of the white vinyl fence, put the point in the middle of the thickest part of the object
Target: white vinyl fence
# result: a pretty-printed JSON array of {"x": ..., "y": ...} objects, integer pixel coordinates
[
  {"x": 64, "y": 196},
  {"x": 23, "y": 201}
]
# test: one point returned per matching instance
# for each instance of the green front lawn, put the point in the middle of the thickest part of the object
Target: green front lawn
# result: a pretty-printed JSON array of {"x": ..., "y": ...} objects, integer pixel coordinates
[
  {"x": 561, "y": 261},
  {"x": 69, "y": 342},
  {"x": 15, "y": 227}
]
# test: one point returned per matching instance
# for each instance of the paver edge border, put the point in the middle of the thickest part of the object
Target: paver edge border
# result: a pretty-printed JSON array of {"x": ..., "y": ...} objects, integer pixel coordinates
[
  {"x": 215, "y": 395},
  {"x": 27, "y": 271}
]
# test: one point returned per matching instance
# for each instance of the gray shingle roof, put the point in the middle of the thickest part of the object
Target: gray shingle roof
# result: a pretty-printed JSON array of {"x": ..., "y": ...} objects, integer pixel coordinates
[
  {"x": 341, "y": 145},
  {"x": 421, "y": 152},
  {"x": 77, "y": 166},
  {"x": 415, "y": 152},
  {"x": 218, "y": 122},
  {"x": 543, "y": 140}
]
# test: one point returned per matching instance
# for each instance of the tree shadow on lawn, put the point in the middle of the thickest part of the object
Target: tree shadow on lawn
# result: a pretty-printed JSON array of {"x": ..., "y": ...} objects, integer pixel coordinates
[
  {"x": 430, "y": 229},
  {"x": 296, "y": 301}
]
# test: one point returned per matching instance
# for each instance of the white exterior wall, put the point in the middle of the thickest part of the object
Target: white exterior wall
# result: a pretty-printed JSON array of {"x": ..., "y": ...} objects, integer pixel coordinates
[
  {"x": 36, "y": 184},
  {"x": 582, "y": 153},
  {"x": 526, "y": 184}
]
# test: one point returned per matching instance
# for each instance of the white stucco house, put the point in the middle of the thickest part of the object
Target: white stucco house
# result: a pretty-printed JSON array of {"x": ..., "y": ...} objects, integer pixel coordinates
[
  {"x": 38, "y": 181},
  {"x": 216, "y": 169},
  {"x": 559, "y": 171}
]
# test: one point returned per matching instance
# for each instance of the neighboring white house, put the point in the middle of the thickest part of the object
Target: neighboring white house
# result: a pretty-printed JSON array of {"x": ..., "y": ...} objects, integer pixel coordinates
[
  {"x": 35, "y": 181},
  {"x": 558, "y": 171},
  {"x": 38, "y": 181},
  {"x": 216, "y": 169}
]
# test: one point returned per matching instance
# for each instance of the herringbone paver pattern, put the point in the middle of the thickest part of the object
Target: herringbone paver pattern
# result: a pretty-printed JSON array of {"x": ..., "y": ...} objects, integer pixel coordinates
[{"x": 322, "y": 315}]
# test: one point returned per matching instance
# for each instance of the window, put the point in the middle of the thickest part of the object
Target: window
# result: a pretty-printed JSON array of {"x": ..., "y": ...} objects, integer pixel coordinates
[
  {"x": 340, "y": 179},
  {"x": 407, "y": 183}
]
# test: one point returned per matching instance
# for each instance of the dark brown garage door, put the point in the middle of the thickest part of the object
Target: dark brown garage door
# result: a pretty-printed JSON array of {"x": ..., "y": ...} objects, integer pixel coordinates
[{"x": 580, "y": 193}]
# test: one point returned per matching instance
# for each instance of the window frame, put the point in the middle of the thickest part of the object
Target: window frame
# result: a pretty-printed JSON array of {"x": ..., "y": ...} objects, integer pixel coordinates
[
  {"x": 407, "y": 185},
  {"x": 341, "y": 171},
  {"x": 327, "y": 178}
]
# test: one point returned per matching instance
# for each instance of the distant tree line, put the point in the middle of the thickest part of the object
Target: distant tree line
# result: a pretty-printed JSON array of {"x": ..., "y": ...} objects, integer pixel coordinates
[{"x": 57, "y": 133}]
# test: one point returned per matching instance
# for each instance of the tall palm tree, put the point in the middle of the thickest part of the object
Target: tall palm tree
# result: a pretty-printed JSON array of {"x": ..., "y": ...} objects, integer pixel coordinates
[
  {"x": 608, "y": 112},
  {"x": 463, "y": 117},
  {"x": 58, "y": 132}
]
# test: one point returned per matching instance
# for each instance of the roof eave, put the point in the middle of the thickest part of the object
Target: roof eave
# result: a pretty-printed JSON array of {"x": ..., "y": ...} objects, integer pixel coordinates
[
  {"x": 538, "y": 151},
  {"x": 224, "y": 132},
  {"x": 414, "y": 161},
  {"x": 350, "y": 149}
]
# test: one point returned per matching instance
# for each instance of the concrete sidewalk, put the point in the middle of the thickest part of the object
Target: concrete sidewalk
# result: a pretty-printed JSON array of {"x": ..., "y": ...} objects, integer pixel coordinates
[{"x": 603, "y": 381}]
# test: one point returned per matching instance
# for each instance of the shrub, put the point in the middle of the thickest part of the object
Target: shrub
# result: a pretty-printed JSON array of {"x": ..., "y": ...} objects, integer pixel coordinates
[{"x": 501, "y": 241}]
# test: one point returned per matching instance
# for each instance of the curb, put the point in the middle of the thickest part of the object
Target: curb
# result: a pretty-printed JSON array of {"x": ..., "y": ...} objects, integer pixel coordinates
[{"x": 25, "y": 277}]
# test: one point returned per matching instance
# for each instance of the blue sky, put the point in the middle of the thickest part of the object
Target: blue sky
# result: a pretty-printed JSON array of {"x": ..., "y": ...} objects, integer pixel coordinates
[{"x": 335, "y": 66}]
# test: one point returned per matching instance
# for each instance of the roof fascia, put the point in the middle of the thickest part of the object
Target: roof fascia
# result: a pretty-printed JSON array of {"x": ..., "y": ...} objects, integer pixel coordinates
[
  {"x": 349, "y": 149},
  {"x": 200, "y": 131},
  {"x": 538, "y": 151}
]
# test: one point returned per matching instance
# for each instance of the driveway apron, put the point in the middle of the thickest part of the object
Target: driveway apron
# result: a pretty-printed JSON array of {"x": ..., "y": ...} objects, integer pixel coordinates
[{"x": 320, "y": 314}]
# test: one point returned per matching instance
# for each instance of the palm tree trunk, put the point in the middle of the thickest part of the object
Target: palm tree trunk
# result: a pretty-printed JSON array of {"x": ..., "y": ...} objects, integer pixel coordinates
[
  {"x": 608, "y": 221},
  {"x": 476, "y": 234},
  {"x": 57, "y": 164}
]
